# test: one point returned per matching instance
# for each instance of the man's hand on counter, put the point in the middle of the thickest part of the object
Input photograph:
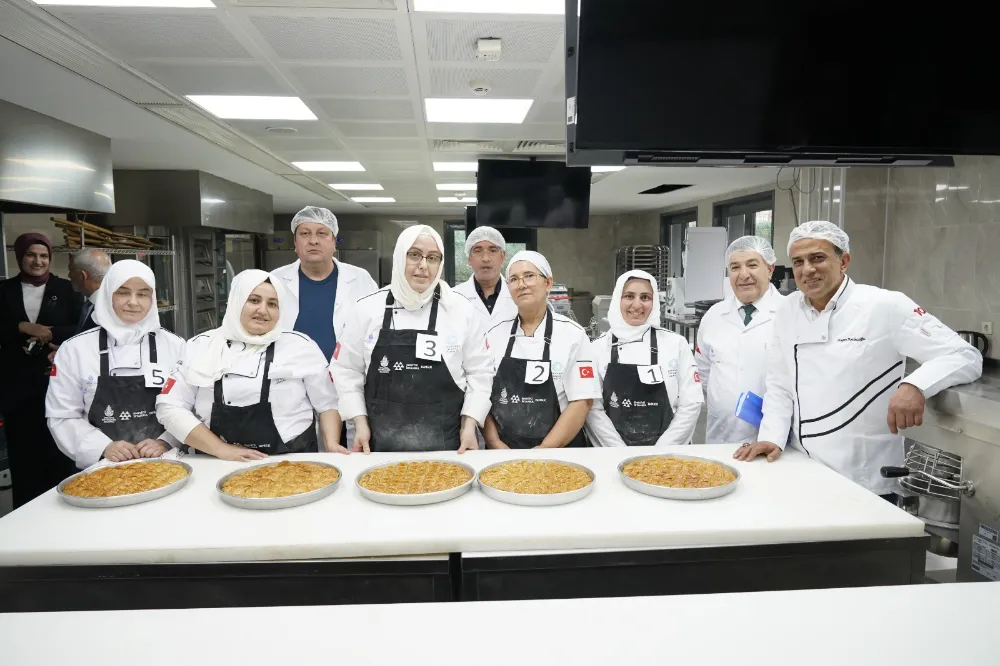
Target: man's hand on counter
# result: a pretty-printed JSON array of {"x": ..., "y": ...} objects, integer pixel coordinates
[
  {"x": 906, "y": 408},
  {"x": 750, "y": 451}
]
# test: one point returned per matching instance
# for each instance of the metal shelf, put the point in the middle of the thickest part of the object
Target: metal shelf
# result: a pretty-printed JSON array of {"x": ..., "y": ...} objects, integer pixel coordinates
[
  {"x": 167, "y": 308},
  {"x": 112, "y": 250}
]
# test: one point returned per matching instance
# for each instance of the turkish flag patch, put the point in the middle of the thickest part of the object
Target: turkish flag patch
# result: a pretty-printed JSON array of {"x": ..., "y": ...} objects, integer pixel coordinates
[
  {"x": 920, "y": 311},
  {"x": 697, "y": 377},
  {"x": 586, "y": 372},
  {"x": 336, "y": 353},
  {"x": 52, "y": 372},
  {"x": 169, "y": 385}
]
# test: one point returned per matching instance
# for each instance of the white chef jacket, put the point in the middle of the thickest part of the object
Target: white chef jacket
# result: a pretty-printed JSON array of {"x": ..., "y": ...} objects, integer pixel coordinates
[
  {"x": 679, "y": 375},
  {"x": 353, "y": 282},
  {"x": 463, "y": 352},
  {"x": 503, "y": 310},
  {"x": 732, "y": 358},
  {"x": 295, "y": 391},
  {"x": 73, "y": 383},
  {"x": 831, "y": 375},
  {"x": 570, "y": 354}
]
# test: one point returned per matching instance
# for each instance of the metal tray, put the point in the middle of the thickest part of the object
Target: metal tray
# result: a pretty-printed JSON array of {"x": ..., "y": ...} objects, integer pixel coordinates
[
  {"x": 678, "y": 493},
  {"x": 422, "y": 498},
  {"x": 124, "y": 500},
  {"x": 267, "y": 503},
  {"x": 524, "y": 499}
]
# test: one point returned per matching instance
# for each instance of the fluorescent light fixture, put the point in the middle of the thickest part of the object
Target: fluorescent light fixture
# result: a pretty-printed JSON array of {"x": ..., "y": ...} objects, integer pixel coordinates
[
  {"x": 253, "y": 107},
  {"x": 480, "y": 111},
  {"x": 554, "y": 7},
  {"x": 210, "y": 200},
  {"x": 357, "y": 186},
  {"x": 179, "y": 4},
  {"x": 958, "y": 187},
  {"x": 373, "y": 199},
  {"x": 456, "y": 187},
  {"x": 941, "y": 187},
  {"x": 836, "y": 188},
  {"x": 836, "y": 201},
  {"x": 605, "y": 169},
  {"x": 456, "y": 166},
  {"x": 328, "y": 166},
  {"x": 465, "y": 200},
  {"x": 50, "y": 164}
]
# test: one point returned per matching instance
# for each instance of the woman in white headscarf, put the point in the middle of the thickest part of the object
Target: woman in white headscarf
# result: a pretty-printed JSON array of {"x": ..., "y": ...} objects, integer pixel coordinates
[
  {"x": 250, "y": 388},
  {"x": 545, "y": 380},
  {"x": 101, "y": 401},
  {"x": 651, "y": 392},
  {"x": 410, "y": 368}
]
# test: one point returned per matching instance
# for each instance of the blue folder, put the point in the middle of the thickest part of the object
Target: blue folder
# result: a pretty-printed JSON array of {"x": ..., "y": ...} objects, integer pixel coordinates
[{"x": 749, "y": 408}]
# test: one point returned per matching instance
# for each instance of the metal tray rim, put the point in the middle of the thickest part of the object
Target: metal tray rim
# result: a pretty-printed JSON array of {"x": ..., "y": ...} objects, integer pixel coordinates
[
  {"x": 666, "y": 492},
  {"x": 416, "y": 499},
  {"x": 124, "y": 500},
  {"x": 277, "y": 502},
  {"x": 525, "y": 499}
]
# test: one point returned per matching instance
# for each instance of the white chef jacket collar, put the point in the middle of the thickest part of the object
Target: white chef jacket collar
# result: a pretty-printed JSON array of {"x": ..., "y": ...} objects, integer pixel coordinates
[
  {"x": 841, "y": 295},
  {"x": 765, "y": 302},
  {"x": 539, "y": 330}
]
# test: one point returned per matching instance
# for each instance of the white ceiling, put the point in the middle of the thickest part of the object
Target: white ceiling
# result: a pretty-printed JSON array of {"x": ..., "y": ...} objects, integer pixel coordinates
[{"x": 363, "y": 72}]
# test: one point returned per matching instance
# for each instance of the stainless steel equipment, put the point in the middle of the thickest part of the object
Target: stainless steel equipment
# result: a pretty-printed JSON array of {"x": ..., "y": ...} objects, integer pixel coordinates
[
  {"x": 977, "y": 340},
  {"x": 934, "y": 478},
  {"x": 965, "y": 421},
  {"x": 654, "y": 259}
]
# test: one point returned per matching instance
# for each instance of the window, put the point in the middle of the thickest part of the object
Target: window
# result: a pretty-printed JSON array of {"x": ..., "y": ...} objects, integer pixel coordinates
[
  {"x": 457, "y": 269},
  {"x": 673, "y": 234},
  {"x": 747, "y": 216}
]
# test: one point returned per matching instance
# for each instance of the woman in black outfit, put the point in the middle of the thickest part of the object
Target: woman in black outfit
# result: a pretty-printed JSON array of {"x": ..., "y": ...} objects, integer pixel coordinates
[{"x": 36, "y": 309}]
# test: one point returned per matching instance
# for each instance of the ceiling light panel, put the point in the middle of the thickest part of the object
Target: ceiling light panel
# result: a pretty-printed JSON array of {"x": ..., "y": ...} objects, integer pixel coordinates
[
  {"x": 462, "y": 200},
  {"x": 360, "y": 187},
  {"x": 329, "y": 167},
  {"x": 551, "y": 7},
  {"x": 253, "y": 107},
  {"x": 478, "y": 111},
  {"x": 373, "y": 199},
  {"x": 605, "y": 169},
  {"x": 456, "y": 166},
  {"x": 456, "y": 187},
  {"x": 180, "y": 4}
]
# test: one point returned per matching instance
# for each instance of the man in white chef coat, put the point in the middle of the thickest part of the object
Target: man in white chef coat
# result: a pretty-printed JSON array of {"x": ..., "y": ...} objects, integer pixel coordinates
[
  {"x": 733, "y": 338},
  {"x": 486, "y": 251},
  {"x": 836, "y": 366}
]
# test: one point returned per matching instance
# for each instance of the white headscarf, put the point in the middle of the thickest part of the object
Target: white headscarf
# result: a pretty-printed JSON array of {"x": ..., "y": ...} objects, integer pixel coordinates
[
  {"x": 534, "y": 258},
  {"x": 621, "y": 330},
  {"x": 404, "y": 294},
  {"x": 104, "y": 311},
  {"x": 218, "y": 357}
]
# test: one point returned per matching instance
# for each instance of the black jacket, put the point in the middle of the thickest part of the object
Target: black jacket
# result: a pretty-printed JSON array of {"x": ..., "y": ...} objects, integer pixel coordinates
[{"x": 24, "y": 377}]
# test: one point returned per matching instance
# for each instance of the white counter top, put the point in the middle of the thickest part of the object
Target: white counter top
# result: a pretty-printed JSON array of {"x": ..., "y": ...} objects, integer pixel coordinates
[
  {"x": 793, "y": 500},
  {"x": 874, "y": 626}
]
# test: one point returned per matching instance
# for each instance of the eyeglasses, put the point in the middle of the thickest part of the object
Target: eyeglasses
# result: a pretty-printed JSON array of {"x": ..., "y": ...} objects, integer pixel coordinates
[
  {"x": 529, "y": 279},
  {"x": 414, "y": 257},
  {"x": 493, "y": 250}
]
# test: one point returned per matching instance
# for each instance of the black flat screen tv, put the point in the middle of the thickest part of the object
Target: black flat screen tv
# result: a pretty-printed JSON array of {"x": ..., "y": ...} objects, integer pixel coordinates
[
  {"x": 777, "y": 81},
  {"x": 521, "y": 193}
]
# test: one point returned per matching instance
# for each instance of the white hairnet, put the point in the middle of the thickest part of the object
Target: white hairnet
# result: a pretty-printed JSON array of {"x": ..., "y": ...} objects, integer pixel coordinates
[
  {"x": 752, "y": 244},
  {"x": 317, "y": 215},
  {"x": 480, "y": 234},
  {"x": 822, "y": 231},
  {"x": 534, "y": 258}
]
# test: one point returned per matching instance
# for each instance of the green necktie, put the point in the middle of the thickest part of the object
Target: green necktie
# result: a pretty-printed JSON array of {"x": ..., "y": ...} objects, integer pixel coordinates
[{"x": 748, "y": 311}]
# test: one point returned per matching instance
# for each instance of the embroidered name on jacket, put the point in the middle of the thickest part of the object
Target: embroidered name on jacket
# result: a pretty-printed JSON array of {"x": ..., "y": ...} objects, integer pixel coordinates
[{"x": 851, "y": 339}]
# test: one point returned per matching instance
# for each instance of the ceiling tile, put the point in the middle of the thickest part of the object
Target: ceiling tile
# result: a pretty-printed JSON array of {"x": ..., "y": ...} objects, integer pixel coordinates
[
  {"x": 332, "y": 149},
  {"x": 315, "y": 38},
  {"x": 318, "y": 80},
  {"x": 258, "y": 128},
  {"x": 189, "y": 35},
  {"x": 377, "y": 129},
  {"x": 547, "y": 112},
  {"x": 504, "y": 83},
  {"x": 385, "y": 144},
  {"x": 523, "y": 41},
  {"x": 367, "y": 109},
  {"x": 206, "y": 79}
]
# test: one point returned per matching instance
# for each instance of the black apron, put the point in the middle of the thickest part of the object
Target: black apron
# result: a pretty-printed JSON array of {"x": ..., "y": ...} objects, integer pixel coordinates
[
  {"x": 124, "y": 409},
  {"x": 640, "y": 412},
  {"x": 525, "y": 413},
  {"x": 253, "y": 426},
  {"x": 413, "y": 403}
]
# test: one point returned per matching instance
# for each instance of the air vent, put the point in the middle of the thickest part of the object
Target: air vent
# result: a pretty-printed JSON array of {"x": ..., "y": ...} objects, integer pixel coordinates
[
  {"x": 663, "y": 189},
  {"x": 446, "y": 146},
  {"x": 540, "y": 147},
  {"x": 866, "y": 160},
  {"x": 664, "y": 159},
  {"x": 282, "y": 130}
]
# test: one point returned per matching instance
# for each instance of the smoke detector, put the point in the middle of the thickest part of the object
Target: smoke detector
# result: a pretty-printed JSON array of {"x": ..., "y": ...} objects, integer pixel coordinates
[
  {"x": 281, "y": 130},
  {"x": 480, "y": 87},
  {"x": 488, "y": 49}
]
